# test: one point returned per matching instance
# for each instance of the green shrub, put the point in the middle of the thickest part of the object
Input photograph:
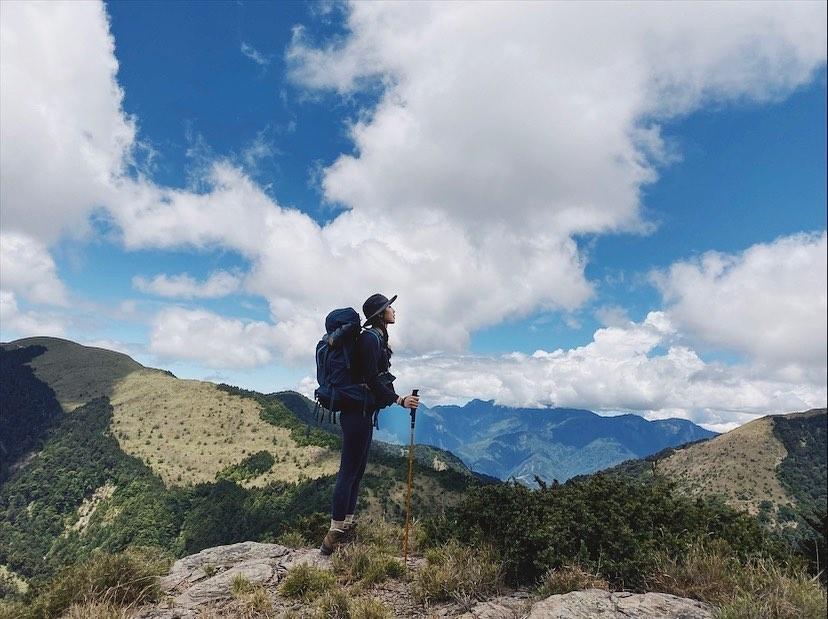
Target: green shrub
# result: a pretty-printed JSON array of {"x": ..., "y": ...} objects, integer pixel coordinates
[
  {"x": 458, "y": 572},
  {"x": 292, "y": 539},
  {"x": 610, "y": 526},
  {"x": 252, "y": 466},
  {"x": 306, "y": 582}
]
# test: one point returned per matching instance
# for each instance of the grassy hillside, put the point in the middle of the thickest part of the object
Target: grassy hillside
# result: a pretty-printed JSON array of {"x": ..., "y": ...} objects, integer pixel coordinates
[
  {"x": 177, "y": 464},
  {"x": 77, "y": 373},
  {"x": 773, "y": 467}
]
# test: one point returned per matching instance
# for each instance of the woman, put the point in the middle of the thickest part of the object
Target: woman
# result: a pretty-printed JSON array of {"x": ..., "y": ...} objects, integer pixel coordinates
[{"x": 371, "y": 368}]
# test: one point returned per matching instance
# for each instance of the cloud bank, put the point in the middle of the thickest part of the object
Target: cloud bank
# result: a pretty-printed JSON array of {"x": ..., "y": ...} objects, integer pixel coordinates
[{"x": 501, "y": 132}]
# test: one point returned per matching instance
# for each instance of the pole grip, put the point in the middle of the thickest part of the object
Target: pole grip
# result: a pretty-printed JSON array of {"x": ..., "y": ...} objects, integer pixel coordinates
[{"x": 414, "y": 410}]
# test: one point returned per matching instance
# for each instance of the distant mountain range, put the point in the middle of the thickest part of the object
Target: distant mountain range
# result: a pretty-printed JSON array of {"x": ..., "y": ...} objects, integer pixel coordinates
[{"x": 552, "y": 443}]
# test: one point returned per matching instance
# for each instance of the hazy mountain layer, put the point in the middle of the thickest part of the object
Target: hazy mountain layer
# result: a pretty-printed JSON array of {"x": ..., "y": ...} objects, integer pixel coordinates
[{"x": 553, "y": 443}]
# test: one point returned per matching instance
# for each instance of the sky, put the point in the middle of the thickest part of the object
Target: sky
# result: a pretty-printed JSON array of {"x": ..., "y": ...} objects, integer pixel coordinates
[{"x": 611, "y": 206}]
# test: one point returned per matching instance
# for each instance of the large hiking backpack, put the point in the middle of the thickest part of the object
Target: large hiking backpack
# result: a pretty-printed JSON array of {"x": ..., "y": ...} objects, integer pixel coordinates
[{"x": 335, "y": 354}]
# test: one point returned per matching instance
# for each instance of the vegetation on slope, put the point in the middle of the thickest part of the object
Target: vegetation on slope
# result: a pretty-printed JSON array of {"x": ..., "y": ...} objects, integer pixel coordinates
[{"x": 29, "y": 406}]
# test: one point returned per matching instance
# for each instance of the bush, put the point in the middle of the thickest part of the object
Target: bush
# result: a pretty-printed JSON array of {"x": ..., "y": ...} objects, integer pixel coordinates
[
  {"x": 756, "y": 587},
  {"x": 365, "y": 564},
  {"x": 121, "y": 580},
  {"x": 569, "y": 578},
  {"x": 292, "y": 539},
  {"x": 610, "y": 526},
  {"x": 457, "y": 572},
  {"x": 306, "y": 582}
]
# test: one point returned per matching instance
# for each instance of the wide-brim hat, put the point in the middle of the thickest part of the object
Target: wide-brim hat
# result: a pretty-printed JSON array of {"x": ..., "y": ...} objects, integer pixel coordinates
[{"x": 375, "y": 305}]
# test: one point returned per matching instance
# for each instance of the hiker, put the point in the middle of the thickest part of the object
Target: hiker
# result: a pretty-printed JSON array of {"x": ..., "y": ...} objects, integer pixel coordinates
[{"x": 370, "y": 367}]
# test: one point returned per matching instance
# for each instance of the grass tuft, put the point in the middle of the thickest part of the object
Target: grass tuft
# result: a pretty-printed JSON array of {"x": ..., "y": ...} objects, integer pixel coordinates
[
  {"x": 757, "y": 588},
  {"x": 240, "y": 586},
  {"x": 119, "y": 580},
  {"x": 569, "y": 578},
  {"x": 365, "y": 564},
  {"x": 306, "y": 582},
  {"x": 454, "y": 571}
]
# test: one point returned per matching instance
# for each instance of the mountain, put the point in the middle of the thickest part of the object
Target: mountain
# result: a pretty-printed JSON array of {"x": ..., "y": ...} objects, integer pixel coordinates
[
  {"x": 100, "y": 452},
  {"x": 773, "y": 467},
  {"x": 552, "y": 443}
]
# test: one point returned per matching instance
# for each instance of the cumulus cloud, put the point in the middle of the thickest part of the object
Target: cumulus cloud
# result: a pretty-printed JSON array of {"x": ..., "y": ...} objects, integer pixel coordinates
[
  {"x": 16, "y": 323},
  {"x": 27, "y": 269},
  {"x": 219, "y": 284},
  {"x": 639, "y": 367},
  {"x": 768, "y": 301},
  {"x": 543, "y": 117},
  {"x": 219, "y": 342},
  {"x": 63, "y": 134},
  {"x": 501, "y": 132}
]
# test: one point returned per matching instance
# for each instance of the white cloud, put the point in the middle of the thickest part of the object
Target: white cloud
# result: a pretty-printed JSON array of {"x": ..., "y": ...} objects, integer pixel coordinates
[
  {"x": 63, "y": 133},
  {"x": 255, "y": 55},
  {"x": 27, "y": 269},
  {"x": 219, "y": 342},
  {"x": 639, "y": 367},
  {"x": 219, "y": 284},
  {"x": 16, "y": 323},
  {"x": 768, "y": 301},
  {"x": 542, "y": 117}
]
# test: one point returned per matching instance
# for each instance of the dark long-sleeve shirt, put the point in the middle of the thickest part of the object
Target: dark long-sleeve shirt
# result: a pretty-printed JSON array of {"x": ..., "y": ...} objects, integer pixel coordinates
[{"x": 372, "y": 360}]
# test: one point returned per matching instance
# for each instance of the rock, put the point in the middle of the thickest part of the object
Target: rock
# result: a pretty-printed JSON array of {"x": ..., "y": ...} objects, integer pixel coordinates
[
  {"x": 509, "y": 606},
  {"x": 257, "y": 571},
  {"x": 599, "y": 604},
  {"x": 204, "y": 564}
]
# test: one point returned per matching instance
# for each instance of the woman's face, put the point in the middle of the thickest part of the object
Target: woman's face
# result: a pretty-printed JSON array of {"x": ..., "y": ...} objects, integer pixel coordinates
[{"x": 388, "y": 315}]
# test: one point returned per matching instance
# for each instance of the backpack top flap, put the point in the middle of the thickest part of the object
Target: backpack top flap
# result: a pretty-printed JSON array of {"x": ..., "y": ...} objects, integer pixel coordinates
[{"x": 341, "y": 317}]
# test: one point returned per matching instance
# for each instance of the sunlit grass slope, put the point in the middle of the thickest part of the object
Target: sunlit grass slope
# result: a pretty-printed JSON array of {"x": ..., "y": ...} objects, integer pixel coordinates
[
  {"x": 188, "y": 431},
  {"x": 739, "y": 465}
]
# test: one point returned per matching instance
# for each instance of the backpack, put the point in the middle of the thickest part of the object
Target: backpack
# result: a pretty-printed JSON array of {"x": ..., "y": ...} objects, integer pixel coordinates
[{"x": 335, "y": 353}]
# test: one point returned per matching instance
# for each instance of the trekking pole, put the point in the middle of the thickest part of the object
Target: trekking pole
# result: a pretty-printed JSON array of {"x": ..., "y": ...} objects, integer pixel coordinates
[{"x": 410, "y": 478}]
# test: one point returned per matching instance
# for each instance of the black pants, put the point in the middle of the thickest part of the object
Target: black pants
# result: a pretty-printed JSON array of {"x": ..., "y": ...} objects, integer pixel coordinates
[{"x": 357, "y": 430}]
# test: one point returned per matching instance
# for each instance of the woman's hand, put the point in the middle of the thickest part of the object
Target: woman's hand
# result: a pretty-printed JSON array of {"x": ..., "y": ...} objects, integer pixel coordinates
[{"x": 409, "y": 401}]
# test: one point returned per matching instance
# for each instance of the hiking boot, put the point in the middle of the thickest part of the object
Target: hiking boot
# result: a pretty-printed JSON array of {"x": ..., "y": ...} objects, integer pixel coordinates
[{"x": 331, "y": 542}]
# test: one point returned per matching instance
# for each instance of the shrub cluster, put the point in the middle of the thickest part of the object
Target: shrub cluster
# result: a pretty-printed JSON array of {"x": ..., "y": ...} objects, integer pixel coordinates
[{"x": 609, "y": 526}]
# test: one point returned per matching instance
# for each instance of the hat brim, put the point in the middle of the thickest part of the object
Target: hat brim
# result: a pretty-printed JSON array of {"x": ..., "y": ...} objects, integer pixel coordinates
[{"x": 380, "y": 310}]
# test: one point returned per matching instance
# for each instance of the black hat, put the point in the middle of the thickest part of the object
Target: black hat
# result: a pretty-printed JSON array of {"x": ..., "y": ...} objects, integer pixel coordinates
[{"x": 375, "y": 305}]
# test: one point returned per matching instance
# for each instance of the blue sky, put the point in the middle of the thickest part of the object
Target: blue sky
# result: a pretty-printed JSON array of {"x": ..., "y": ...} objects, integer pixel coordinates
[{"x": 277, "y": 93}]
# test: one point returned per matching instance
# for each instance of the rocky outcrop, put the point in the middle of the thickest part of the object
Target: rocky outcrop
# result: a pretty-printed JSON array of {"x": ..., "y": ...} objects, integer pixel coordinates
[
  {"x": 201, "y": 586},
  {"x": 598, "y": 604}
]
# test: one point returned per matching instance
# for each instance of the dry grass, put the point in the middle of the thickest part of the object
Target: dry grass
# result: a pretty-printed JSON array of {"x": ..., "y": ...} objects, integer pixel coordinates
[
  {"x": 96, "y": 610},
  {"x": 456, "y": 572},
  {"x": 739, "y": 465},
  {"x": 187, "y": 431},
  {"x": 758, "y": 588},
  {"x": 365, "y": 564},
  {"x": 569, "y": 578},
  {"x": 306, "y": 582}
]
